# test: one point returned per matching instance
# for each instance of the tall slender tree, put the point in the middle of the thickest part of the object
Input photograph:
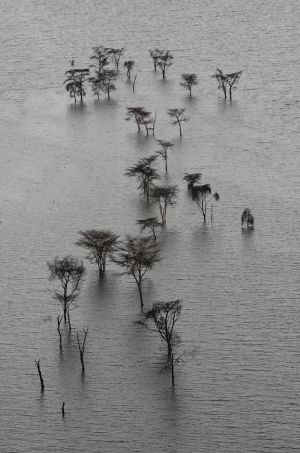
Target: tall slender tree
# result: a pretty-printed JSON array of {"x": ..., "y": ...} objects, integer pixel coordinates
[
  {"x": 163, "y": 151},
  {"x": 164, "y": 196},
  {"x": 178, "y": 117},
  {"x": 75, "y": 83}
]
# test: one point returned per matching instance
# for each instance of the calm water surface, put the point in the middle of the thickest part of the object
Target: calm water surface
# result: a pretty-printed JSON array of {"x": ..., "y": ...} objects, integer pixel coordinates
[{"x": 62, "y": 170}]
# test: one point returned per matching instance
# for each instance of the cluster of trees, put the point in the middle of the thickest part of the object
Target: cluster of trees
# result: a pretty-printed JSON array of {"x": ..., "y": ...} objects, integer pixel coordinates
[{"x": 104, "y": 77}]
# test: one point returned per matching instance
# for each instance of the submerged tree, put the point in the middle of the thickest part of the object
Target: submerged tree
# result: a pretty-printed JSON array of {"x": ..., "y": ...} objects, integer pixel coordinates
[
  {"x": 227, "y": 81},
  {"x": 129, "y": 64},
  {"x": 154, "y": 54},
  {"x": 189, "y": 80},
  {"x": 203, "y": 197},
  {"x": 136, "y": 256},
  {"x": 145, "y": 174},
  {"x": 247, "y": 219},
  {"x": 149, "y": 224},
  {"x": 105, "y": 83},
  {"x": 164, "y": 197},
  {"x": 81, "y": 348},
  {"x": 178, "y": 118},
  {"x": 37, "y": 362},
  {"x": 164, "y": 61},
  {"x": 192, "y": 179},
  {"x": 163, "y": 152},
  {"x": 100, "y": 244},
  {"x": 69, "y": 271},
  {"x": 116, "y": 55},
  {"x": 101, "y": 55},
  {"x": 161, "y": 318},
  {"x": 141, "y": 116},
  {"x": 75, "y": 83}
]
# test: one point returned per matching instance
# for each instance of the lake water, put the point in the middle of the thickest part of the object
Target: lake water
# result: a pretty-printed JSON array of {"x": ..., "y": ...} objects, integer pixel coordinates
[{"x": 62, "y": 170}]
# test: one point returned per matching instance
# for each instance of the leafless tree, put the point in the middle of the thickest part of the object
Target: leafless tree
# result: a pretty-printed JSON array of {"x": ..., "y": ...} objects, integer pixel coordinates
[
  {"x": 116, "y": 55},
  {"x": 81, "y": 347},
  {"x": 163, "y": 151},
  {"x": 189, "y": 80},
  {"x": 178, "y": 117},
  {"x": 100, "y": 244},
  {"x": 37, "y": 362},
  {"x": 227, "y": 81},
  {"x": 164, "y": 196},
  {"x": 59, "y": 320},
  {"x": 154, "y": 54},
  {"x": 69, "y": 271},
  {"x": 136, "y": 256}
]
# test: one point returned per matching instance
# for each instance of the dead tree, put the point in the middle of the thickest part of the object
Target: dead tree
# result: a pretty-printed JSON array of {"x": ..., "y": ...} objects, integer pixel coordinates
[
  {"x": 247, "y": 219},
  {"x": 59, "y": 320},
  {"x": 37, "y": 362},
  {"x": 81, "y": 347}
]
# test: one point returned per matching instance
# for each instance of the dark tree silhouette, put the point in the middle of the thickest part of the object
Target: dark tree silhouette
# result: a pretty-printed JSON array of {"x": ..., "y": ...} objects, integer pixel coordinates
[
  {"x": 100, "y": 244},
  {"x": 227, "y": 81},
  {"x": 137, "y": 255},
  {"x": 161, "y": 318},
  {"x": 163, "y": 152},
  {"x": 75, "y": 83},
  {"x": 164, "y": 197},
  {"x": 149, "y": 224},
  {"x": 37, "y": 362},
  {"x": 134, "y": 82},
  {"x": 116, "y": 55},
  {"x": 145, "y": 174},
  {"x": 141, "y": 116},
  {"x": 189, "y": 80},
  {"x": 192, "y": 179},
  {"x": 203, "y": 197},
  {"x": 247, "y": 219},
  {"x": 129, "y": 64},
  {"x": 178, "y": 118},
  {"x": 81, "y": 347},
  {"x": 69, "y": 271},
  {"x": 104, "y": 83},
  {"x": 164, "y": 61},
  {"x": 154, "y": 54},
  {"x": 101, "y": 55},
  {"x": 59, "y": 320}
]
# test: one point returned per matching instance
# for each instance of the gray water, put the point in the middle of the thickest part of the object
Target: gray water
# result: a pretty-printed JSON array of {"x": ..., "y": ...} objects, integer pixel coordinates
[{"x": 62, "y": 170}]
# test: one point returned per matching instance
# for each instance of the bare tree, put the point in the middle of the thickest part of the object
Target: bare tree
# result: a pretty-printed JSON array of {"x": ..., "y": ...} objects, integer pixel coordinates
[
  {"x": 59, "y": 320},
  {"x": 192, "y": 179},
  {"x": 69, "y": 271},
  {"x": 163, "y": 151},
  {"x": 161, "y": 318},
  {"x": 232, "y": 80},
  {"x": 129, "y": 64},
  {"x": 116, "y": 55},
  {"x": 100, "y": 244},
  {"x": 81, "y": 347},
  {"x": 145, "y": 174},
  {"x": 149, "y": 224},
  {"x": 154, "y": 54},
  {"x": 107, "y": 81},
  {"x": 134, "y": 82},
  {"x": 203, "y": 197},
  {"x": 247, "y": 219},
  {"x": 137, "y": 255},
  {"x": 75, "y": 83},
  {"x": 164, "y": 197},
  {"x": 37, "y": 362},
  {"x": 164, "y": 61},
  {"x": 178, "y": 118},
  {"x": 189, "y": 80}
]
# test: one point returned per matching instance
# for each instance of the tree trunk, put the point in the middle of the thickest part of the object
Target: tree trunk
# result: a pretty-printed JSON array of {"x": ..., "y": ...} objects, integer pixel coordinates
[
  {"x": 180, "y": 131},
  {"x": 141, "y": 294}
]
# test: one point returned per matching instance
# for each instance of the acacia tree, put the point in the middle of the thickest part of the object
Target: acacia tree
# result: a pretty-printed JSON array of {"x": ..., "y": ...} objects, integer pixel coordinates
[
  {"x": 75, "y": 83},
  {"x": 69, "y": 271},
  {"x": 141, "y": 116},
  {"x": 161, "y": 318},
  {"x": 192, "y": 179},
  {"x": 203, "y": 197},
  {"x": 145, "y": 174},
  {"x": 129, "y": 64},
  {"x": 164, "y": 61},
  {"x": 100, "y": 244},
  {"x": 106, "y": 81},
  {"x": 189, "y": 80},
  {"x": 178, "y": 118},
  {"x": 247, "y": 219},
  {"x": 150, "y": 223},
  {"x": 137, "y": 255},
  {"x": 101, "y": 55},
  {"x": 163, "y": 152},
  {"x": 227, "y": 81},
  {"x": 164, "y": 197},
  {"x": 116, "y": 55},
  {"x": 154, "y": 54}
]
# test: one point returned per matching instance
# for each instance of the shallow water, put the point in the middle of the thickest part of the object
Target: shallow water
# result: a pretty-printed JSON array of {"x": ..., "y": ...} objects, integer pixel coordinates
[{"x": 62, "y": 170}]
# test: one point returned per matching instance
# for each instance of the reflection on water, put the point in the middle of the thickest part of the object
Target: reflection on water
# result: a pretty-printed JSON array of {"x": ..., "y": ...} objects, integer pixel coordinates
[{"x": 63, "y": 170}]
